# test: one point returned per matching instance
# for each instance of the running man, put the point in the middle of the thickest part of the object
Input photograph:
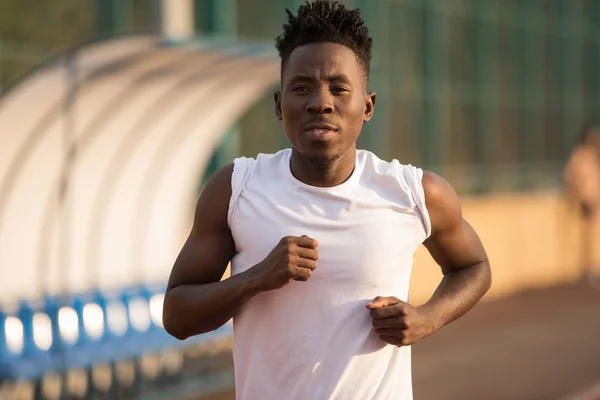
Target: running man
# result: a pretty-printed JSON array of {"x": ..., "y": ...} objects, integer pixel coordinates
[
  {"x": 321, "y": 238},
  {"x": 582, "y": 184}
]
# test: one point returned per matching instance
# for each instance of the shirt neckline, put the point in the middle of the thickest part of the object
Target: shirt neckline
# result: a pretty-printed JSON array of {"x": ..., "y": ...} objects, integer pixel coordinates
[{"x": 346, "y": 184}]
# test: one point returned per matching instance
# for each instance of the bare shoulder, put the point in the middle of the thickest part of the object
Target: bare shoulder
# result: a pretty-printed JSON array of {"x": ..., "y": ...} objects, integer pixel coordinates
[
  {"x": 213, "y": 203},
  {"x": 442, "y": 202},
  {"x": 453, "y": 243},
  {"x": 219, "y": 183}
]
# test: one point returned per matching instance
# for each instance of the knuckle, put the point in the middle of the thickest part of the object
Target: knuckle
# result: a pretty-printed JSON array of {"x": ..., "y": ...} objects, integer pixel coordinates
[
  {"x": 290, "y": 247},
  {"x": 288, "y": 242},
  {"x": 291, "y": 268}
]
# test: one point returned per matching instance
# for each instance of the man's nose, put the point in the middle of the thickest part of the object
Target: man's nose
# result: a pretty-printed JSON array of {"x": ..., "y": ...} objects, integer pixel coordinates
[{"x": 320, "y": 102}]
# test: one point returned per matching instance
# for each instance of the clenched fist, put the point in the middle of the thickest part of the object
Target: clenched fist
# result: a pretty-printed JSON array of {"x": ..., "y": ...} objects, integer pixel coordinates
[
  {"x": 293, "y": 258},
  {"x": 398, "y": 323}
]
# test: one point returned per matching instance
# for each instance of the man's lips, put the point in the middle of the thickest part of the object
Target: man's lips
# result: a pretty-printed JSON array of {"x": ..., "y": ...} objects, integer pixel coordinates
[{"x": 320, "y": 133}]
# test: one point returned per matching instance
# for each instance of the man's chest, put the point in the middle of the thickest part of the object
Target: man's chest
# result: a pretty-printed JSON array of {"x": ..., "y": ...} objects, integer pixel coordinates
[{"x": 358, "y": 245}]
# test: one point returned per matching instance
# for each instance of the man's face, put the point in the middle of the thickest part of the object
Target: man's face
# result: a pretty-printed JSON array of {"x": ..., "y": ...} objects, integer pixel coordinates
[{"x": 323, "y": 102}]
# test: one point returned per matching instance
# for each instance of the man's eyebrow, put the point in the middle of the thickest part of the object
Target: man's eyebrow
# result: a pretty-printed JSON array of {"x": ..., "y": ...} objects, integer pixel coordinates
[
  {"x": 336, "y": 77},
  {"x": 301, "y": 78},
  {"x": 339, "y": 77}
]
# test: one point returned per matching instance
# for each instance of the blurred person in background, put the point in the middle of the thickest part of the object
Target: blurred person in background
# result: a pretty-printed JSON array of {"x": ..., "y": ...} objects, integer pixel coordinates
[
  {"x": 582, "y": 185},
  {"x": 321, "y": 238}
]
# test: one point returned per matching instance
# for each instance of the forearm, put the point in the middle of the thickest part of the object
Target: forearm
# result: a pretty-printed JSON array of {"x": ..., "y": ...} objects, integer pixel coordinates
[
  {"x": 457, "y": 293},
  {"x": 190, "y": 310}
]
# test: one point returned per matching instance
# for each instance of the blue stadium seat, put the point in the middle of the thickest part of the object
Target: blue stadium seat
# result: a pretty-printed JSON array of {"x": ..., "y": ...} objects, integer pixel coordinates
[
  {"x": 28, "y": 339},
  {"x": 84, "y": 330},
  {"x": 5, "y": 353},
  {"x": 116, "y": 324},
  {"x": 158, "y": 338},
  {"x": 81, "y": 338}
]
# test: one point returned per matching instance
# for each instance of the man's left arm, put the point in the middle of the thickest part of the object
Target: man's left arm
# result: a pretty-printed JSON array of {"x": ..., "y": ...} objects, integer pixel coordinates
[{"x": 456, "y": 247}]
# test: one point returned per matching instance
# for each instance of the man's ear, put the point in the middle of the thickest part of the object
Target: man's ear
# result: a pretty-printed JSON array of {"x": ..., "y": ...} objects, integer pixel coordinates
[
  {"x": 277, "y": 98},
  {"x": 369, "y": 105}
]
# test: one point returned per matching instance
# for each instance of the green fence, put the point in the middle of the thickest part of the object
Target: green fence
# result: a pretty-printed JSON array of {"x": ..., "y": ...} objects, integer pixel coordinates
[
  {"x": 32, "y": 32},
  {"x": 490, "y": 93}
]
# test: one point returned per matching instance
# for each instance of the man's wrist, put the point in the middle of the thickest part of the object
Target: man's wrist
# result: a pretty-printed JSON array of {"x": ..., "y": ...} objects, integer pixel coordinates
[
  {"x": 251, "y": 284},
  {"x": 433, "y": 314}
]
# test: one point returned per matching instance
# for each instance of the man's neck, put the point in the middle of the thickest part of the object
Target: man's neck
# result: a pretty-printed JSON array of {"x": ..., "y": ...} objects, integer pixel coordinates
[{"x": 328, "y": 175}]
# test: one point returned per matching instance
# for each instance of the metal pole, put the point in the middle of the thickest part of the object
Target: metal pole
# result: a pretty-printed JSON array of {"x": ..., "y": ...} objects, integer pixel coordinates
[
  {"x": 486, "y": 98},
  {"x": 432, "y": 81},
  {"x": 220, "y": 17},
  {"x": 104, "y": 18},
  {"x": 122, "y": 15},
  {"x": 177, "y": 19},
  {"x": 1, "y": 71},
  {"x": 596, "y": 34},
  {"x": 292, "y": 5},
  {"x": 529, "y": 74},
  {"x": 64, "y": 193},
  {"x": 155, "y": 16},
  {"x": 225, "y": 16},
  {"x": 572, "y": 90},
  {"x": 564, "y": 74},
  {"x": 375, "y": 132}
]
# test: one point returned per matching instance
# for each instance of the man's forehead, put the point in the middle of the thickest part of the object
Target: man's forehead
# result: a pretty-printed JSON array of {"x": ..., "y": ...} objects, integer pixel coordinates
[{"x": 324, "y": 60}]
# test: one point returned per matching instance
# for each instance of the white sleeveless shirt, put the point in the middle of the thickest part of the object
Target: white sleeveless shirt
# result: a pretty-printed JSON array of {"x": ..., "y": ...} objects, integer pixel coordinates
[{"x": 314, "y": 340}]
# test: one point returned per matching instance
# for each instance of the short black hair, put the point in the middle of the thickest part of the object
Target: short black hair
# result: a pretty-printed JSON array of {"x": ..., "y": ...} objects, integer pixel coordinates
[{"x": 326, "y": 21}]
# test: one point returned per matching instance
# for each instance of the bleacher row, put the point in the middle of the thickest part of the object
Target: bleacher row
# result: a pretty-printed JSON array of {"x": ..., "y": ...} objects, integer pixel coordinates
[{"x": 61, "y": 334}]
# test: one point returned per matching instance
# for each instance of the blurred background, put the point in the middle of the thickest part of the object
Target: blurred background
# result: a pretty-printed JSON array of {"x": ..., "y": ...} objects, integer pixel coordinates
[{"x": 114, "y": 113}]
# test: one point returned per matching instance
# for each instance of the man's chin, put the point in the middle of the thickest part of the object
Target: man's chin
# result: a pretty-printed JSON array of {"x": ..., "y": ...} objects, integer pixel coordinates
[{"x": 322, "y": 161}]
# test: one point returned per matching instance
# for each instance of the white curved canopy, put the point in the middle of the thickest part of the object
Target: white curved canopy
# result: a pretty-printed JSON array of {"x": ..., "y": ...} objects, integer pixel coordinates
[{"x": 144, "y": 119}]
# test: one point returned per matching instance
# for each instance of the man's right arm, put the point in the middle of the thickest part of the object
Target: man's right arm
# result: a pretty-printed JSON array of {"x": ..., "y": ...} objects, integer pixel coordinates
[{"x": 197, "y": 300}]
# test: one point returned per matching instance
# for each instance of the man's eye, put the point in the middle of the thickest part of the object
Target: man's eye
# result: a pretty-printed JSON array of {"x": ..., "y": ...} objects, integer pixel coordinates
[
  {"x": 339, "y": 89},
  {"x": 300, "y": 89}
]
